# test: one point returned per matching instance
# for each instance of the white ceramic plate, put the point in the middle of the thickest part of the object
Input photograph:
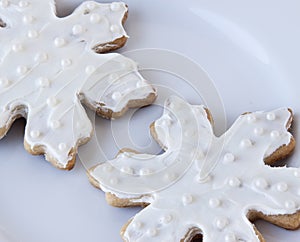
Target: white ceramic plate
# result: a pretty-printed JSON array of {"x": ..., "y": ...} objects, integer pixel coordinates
[{"x": 250, "y": 49}]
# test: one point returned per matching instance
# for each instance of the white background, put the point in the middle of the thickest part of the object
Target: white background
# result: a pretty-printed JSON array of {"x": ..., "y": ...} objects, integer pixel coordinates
[{"x": 249, "y": 48}]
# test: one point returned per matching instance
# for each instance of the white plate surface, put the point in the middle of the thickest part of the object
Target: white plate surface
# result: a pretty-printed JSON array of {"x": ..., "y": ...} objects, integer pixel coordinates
[{"x": 250, "y": 49}]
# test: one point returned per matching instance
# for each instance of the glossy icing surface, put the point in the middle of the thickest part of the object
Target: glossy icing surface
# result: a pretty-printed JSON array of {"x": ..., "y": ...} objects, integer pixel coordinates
[{"x": 203, "y": 181}]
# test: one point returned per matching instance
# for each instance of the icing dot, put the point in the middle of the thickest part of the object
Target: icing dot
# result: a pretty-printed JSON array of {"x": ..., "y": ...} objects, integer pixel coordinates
[
  {"x": 28, "y": 19},
  {"x": 90, "y": 69},
  {"x": 297, "y": 173},
  {"x": 116, "y": 95},
  {"x": 114, "y": 181},
  {"x": 115, "y": 6},
  {"x": 21, "y": 70},
  {"x": 251, "y": 118},
  {"x": 4, "y": 82},
  {"x": 62, "y": 146},
  {"x": 230, "y": 237},
  {"x": 271, "y": 116},
  {"x": 35, "y": 134},
  {"x": 261, "y": 183},
  {"x": 290, "y": 204},
  {"x": 152, "y": 232},
  {"x": 166, "y": 219},
  {"x": 43, "y": 82},
  {"x": 95, "y": 18},
  {"x": 60, "y": 42},
  {"x": 137, "y": 225},
  {"x": 214, "y": 202},
  {"x": 228, "y": 158},
  {"x": 66, "y": 62},
  {"x": 77, "y": 29},
  {"x": 274, "y": 134},
  {"x": 234, "y": 182},
  {"x": 91, "y": 6},
  {"x": 52, "y": 101},
  {"x": 4, "y": 3},
  {"x": 32, "y": 34},
  {"x": 145, "y": 171},
  {"x": 23, "y": 4},
  {"x": 41, "y": 57},
  {"x": 170, "y": 176},
  {"x": 282, "y": 187},
  {"x": 187, "y": 199},
  {"x": 115, "y": 28},
  {"x": 246, "y": 143},
  {"x": 127, "y": 170},
  {"x": 107, "y": 167},
  {"x": 221, "y": 223},
  {"x": 55, "y": 124},
  {"x": 17, "y": 47},
  {"x": 258, "y": 131}
]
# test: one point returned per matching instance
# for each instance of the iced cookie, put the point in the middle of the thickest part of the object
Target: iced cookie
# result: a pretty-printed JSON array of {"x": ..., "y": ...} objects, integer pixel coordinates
[
  {"x": 49, "y": 67},
  {"x": 212, "y": 187}
]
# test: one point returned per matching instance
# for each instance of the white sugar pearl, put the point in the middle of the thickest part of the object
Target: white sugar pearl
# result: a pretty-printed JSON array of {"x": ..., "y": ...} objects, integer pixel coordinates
[
  {"x": 90, "y": 69},
  {"x": 234, "y": 182},
  {"x": 258, "y": 131},
  {"x": 166, "y": 219},
  {"x": 271, "y": 116},
  {"x": 230, "y": 238},
  {"x": 261, "y": 183},
  {"x": 274, "y": 134},
  {"x": 95, "y": 18},
  {"x": 35, "y": 134},
  {"x": 127, "y": 170},
  {"x": 115, "y": 6},
  {"x": 214, "y": 202},
  {"x": 4, "y": 3},
  {"x": 77, "y": 29},
  {"x": 290, "y": 204},
  {"x": 52, "y": 101},
  {"x": 221, "y": 223},
  {"x": 228, "y": 158},
  {"x": 33, "y": 34},
  {"x": 251, "y": 118},
  {"x": 114, "y": 181},
  {"x": 116, "y": 96},
  {"x": 41, "y": 57},
  {"x": 23, "y": 4},
  {"x": 66, "y": 62},
  {"x": 17, "y": 47},
  {"x": 91, "y": 5},
  {"x": 4, "y": 82},
  {"x": 246, "y": 143},
  {"x": 107, "y": 167},
  {"x": 62, "y": 146},
  {"x": 187, "y": 199},
  {"x": 60, "y": 42},
  {"x": 145, "y": 171},
  {"x": 137, "y": 225},
  {"x": 282, "y": 187},
  {"x": 152, "y": 232},
  {"x": 43, "y": 82},
  {"x": 21, "y": 70},
  {"x": 115, "y": 28},
  {"x": 28, "y": 19},
  {"x": 297, "y": 173},
  {"x": 55, "y": 124}
]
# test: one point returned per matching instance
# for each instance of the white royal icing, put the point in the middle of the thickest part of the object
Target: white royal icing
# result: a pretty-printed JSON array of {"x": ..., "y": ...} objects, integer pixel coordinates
[
  {"x": 218, "y": 179},
  {"x": 48, "y": 67}
]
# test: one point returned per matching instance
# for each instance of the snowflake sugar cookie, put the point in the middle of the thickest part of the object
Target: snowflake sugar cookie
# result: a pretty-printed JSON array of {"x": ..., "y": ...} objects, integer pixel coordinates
[
  {"x": 48, "y": 67},
  {"x": 203, "y": 184}
]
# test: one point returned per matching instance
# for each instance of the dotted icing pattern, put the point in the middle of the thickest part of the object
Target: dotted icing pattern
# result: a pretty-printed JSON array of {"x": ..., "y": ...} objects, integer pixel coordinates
[
  {"x": 204, "y": 182},
  {"x": 48, "y": 67}
]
